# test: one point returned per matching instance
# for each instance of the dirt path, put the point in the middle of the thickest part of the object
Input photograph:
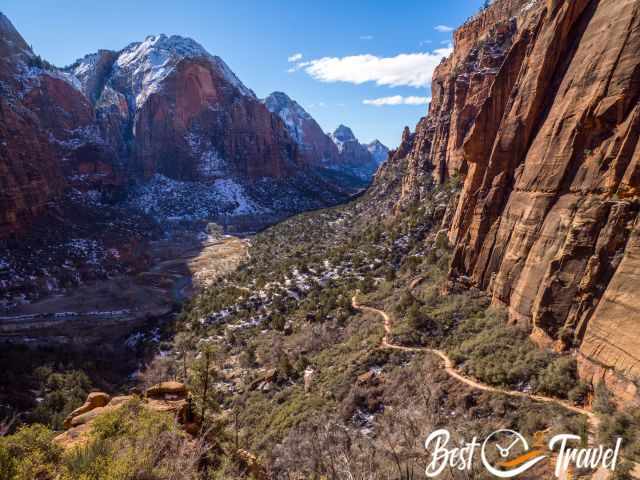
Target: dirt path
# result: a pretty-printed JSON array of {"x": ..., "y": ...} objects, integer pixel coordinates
[
  {"x": 451, "y": 370},
  {"x": 449, "y": 367}
]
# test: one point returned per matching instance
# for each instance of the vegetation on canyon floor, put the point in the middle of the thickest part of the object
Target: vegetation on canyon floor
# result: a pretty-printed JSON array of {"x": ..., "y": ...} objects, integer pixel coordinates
[{"x": 280, "y": 364}]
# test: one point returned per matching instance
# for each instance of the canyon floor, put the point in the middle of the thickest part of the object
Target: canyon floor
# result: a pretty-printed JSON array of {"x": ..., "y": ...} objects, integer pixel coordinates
[{"x": 105, "y": 310}]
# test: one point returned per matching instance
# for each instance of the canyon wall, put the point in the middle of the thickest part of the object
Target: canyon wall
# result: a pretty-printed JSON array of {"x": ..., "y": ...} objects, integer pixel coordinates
[
  {"x": 537, "y": 112},
  {"x": 46, "y": 133}
]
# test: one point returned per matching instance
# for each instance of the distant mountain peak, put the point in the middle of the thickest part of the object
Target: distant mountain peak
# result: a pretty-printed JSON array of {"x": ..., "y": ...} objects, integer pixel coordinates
[
  {"x": 378, "y": 151},
  {"x": 280, "y": 102},
  {"x": 343, "y": 134},
  {"x": 143, "y": 66},
  {"x": 175, "y": 45}
]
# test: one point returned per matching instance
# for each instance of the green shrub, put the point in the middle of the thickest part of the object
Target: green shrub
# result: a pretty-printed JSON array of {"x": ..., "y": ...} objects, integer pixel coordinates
[
  {"x": 29, "y": 454},
  {"x": 579, "y": 393},
  {"x": 559, "y": 377},
  {"x": 61, "y": 394}
]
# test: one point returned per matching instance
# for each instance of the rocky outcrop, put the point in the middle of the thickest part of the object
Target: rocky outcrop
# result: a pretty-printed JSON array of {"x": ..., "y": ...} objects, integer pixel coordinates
[
  {"x": 537, "y": 111},
  {"x": 94, "y": 400},
  {"x": 459, "y": 88},
  {"x": 167, "y": 397}
]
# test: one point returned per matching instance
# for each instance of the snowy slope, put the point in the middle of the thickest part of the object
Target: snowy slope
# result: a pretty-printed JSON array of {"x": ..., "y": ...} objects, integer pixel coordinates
[
  {"x": 142, "y": 66},
  {"x": 291, "y": 113},
  {"x": 378, "y": 151}
]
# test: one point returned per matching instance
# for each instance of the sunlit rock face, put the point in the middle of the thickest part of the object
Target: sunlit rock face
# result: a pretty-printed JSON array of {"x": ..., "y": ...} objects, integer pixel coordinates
[
  {"x": 186, "y": 114},
  {"x": 315, "y": 147},
  {"x": 537, "y": 113}
]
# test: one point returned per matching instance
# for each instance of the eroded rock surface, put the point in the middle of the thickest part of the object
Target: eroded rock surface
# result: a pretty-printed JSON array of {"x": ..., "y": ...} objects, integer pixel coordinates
[
  {"x": 169, "y": 397},
  {"x": 537, "y": 112}
]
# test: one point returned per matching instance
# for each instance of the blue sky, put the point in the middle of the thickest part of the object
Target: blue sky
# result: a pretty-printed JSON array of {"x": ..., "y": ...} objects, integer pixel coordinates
[{"x": 352, "y": 51}]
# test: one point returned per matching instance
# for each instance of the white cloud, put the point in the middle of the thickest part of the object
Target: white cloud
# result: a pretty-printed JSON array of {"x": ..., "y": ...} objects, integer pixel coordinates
[
  {"x": 366, "y": 37},
  {"x": 295, "y": 57},
  {"x": 443, "y": 28},
  {"x": 397, "y": 100},
  {"x": 408, "y": 69},
  {"x": 425, "y": 42}
]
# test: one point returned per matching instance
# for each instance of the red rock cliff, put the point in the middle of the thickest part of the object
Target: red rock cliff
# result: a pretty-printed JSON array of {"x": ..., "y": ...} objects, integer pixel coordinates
[
  {"x": 537, "y": 109},
  {"x": 44, "y": 122}
]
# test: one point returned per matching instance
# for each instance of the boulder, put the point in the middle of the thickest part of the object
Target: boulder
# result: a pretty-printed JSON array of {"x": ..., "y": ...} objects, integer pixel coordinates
[
  {"x": 167, "y": 390},
  {"x": 94, "y": 400}
]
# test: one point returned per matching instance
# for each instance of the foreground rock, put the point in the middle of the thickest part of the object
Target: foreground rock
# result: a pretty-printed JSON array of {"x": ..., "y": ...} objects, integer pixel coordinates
[
  {"x": 169, "y": 397},
  {"x": 94, "y": 400}
]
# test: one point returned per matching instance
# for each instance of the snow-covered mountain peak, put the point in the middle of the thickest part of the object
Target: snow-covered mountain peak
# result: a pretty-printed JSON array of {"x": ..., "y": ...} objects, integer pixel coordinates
[
  {"x": 343, "y": 134},
  {"x": 291, "y": 113},
  {"x": 279, "y": 101},
  {"x": 144, "y": 65},
  {"x": 378, "y": 151},
  {"x": 159, "y": 49}
]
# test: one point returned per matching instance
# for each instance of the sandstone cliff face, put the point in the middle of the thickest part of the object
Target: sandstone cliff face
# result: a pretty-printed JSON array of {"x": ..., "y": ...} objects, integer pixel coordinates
[
  {"x": 459, "y": 88},
  {"x": 45, "y": 129},
  {"x": 543, "y": 125},
  {"x": 197, "y": 128}
]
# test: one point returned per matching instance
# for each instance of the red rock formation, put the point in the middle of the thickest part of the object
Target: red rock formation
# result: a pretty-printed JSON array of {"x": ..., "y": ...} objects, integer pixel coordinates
[
  {"x": 540, "y": 116},
  {"x": 161, "y": 106},
  {"x": 43, "y": 119},
  {"x": 242, "y": 137}
]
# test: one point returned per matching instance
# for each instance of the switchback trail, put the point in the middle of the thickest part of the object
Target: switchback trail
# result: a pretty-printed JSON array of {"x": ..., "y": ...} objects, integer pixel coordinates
[
  {"x": 452, "y": 372},
  {"x": 449, "y": 367}
]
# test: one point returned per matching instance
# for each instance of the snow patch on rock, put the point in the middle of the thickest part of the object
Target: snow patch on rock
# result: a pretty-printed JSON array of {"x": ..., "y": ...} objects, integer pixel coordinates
[
  {"x": 148, "y": 63},
  {"x": 291, "y": 113}
]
